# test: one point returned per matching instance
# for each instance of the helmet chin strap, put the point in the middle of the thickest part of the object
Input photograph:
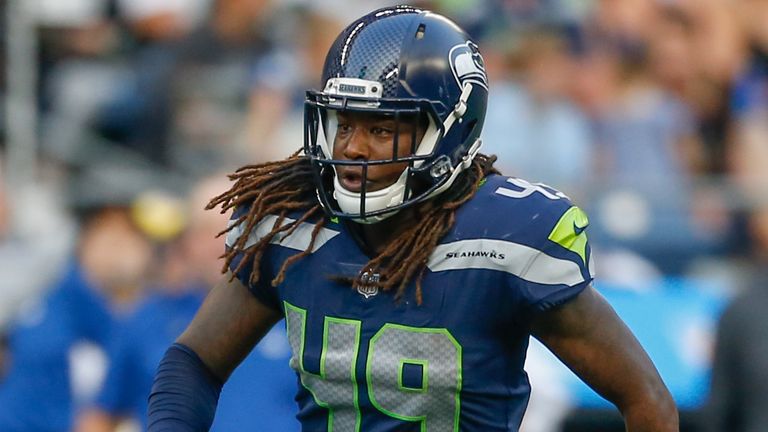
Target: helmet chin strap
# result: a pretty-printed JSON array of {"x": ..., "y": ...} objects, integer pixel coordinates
[
  {"x": 392, "y": 195},
  {"x": 466, "y": 161},
  {"x": 349, "y": 202}
]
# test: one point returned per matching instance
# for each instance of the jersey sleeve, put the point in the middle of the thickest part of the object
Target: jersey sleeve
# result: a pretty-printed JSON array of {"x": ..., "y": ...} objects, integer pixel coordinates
[
  {"x": 562, "y": 265},
  {"x": 261, "y": 289}
]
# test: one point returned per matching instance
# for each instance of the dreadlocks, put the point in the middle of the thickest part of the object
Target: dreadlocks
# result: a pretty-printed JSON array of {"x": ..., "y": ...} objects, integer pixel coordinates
[{"x": 277, "y": 188}]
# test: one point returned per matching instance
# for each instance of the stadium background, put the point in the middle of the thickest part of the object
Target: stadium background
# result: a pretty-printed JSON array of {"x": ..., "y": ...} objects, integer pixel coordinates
[{"x": 652, "y": 115}]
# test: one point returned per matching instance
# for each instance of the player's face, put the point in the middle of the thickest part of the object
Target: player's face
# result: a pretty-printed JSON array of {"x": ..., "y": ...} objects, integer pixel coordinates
[{"x": 370, "y": 137}]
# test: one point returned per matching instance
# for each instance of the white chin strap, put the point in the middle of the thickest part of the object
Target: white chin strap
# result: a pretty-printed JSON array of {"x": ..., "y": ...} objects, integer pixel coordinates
[
  {"x": 349, "y": 202},
  {"x": 390, "y": 196}
]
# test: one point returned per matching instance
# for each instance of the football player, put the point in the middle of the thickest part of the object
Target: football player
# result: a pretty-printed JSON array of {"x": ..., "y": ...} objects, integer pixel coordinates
[{"x": 410, "y": 273}]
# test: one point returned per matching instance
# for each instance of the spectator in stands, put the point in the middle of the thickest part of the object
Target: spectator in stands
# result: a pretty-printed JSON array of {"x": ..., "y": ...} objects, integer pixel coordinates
[
  {"x": 77, "y": 44},
  {"x": 35, "y": 239},
  {"x": 185, "y": 109},
  {"x": 54, "y": 343},
  {"x": 191, "y": 268},
  {"x": 275, "y": 114},
  {"x": 695, "y": 51},
  {"x": 645, "y": 137},
  {"x": 747, "y": 152},
  {"x": 531, "y": 125},
  {"x": 153, "y": 21}
]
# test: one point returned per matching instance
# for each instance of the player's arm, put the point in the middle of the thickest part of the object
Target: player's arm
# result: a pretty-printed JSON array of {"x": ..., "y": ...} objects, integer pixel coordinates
[
  {"x": 190, "y": 376},
  {"x": 588, "y": 336},
  {"x": 228, "y": 325}
]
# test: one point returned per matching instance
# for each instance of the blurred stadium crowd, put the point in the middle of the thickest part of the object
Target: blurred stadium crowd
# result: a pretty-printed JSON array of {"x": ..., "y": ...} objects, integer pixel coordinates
[{"x": 122, "y": 116}]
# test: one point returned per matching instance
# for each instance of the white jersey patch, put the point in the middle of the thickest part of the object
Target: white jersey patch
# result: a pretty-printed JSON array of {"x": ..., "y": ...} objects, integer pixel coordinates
[
  {"x": 299, "y": 240},
  {"x": 520, "y": 260}
]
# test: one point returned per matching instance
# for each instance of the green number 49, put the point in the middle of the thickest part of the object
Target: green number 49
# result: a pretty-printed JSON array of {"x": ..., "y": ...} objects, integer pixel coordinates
[{"x": 434, "y": 351}]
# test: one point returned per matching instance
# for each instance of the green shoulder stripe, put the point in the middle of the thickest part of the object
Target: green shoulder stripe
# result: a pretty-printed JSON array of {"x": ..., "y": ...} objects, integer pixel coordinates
[{"x": 569, "y": 232}]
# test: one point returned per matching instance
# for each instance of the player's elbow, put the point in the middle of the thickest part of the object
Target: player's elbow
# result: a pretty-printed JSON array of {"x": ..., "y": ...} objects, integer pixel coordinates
[
  {"x": 654, "y": 407},
  {"x": 665, "y": 407}
]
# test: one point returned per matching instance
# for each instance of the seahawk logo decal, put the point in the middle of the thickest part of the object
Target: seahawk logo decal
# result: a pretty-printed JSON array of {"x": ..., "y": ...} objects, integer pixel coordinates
[
  {"x": 468, "y": 65},
  {"x": 368, "y": 284}
]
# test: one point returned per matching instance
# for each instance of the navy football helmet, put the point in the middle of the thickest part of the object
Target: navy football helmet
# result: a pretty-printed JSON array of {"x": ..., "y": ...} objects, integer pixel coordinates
[{"x": 404, "y": 63}]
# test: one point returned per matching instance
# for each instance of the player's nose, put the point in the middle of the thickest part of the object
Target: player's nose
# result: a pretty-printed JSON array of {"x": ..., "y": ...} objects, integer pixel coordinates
[{"x": 357, "y": 144}]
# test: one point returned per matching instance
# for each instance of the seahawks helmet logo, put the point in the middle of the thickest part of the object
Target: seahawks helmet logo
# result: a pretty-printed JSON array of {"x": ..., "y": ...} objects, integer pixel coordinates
[{"x": 468, "y": 65}]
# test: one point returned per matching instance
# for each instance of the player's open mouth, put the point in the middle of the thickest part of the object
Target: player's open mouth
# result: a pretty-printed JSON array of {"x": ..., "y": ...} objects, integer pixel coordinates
[{"x": 351, "y": 181}]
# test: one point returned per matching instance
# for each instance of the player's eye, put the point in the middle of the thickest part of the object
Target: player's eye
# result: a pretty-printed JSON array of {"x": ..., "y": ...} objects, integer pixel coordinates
[
  {"x": 381, "y": 131},
  {"x": 343, "y": 129}
]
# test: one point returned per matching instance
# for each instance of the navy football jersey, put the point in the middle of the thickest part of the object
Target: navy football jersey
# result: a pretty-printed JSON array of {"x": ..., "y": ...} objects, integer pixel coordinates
[{"x": 368, "y": 362}]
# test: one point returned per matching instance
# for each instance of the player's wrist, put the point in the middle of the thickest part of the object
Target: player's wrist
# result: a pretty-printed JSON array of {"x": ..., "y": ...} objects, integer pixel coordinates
[{"x": 185, "y": 393}]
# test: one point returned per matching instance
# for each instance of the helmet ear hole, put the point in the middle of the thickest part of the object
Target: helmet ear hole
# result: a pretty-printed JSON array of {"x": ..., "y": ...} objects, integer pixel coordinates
[{"x": 420, "y": 31}]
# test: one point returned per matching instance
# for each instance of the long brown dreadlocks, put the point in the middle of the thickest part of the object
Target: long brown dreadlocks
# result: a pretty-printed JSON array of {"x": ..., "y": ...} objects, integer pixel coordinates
[{"x": 277, "y": 188}]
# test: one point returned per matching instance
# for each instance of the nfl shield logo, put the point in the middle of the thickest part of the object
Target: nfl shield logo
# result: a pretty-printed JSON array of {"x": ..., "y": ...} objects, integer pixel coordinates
[{"x": 368, "y": 285}]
